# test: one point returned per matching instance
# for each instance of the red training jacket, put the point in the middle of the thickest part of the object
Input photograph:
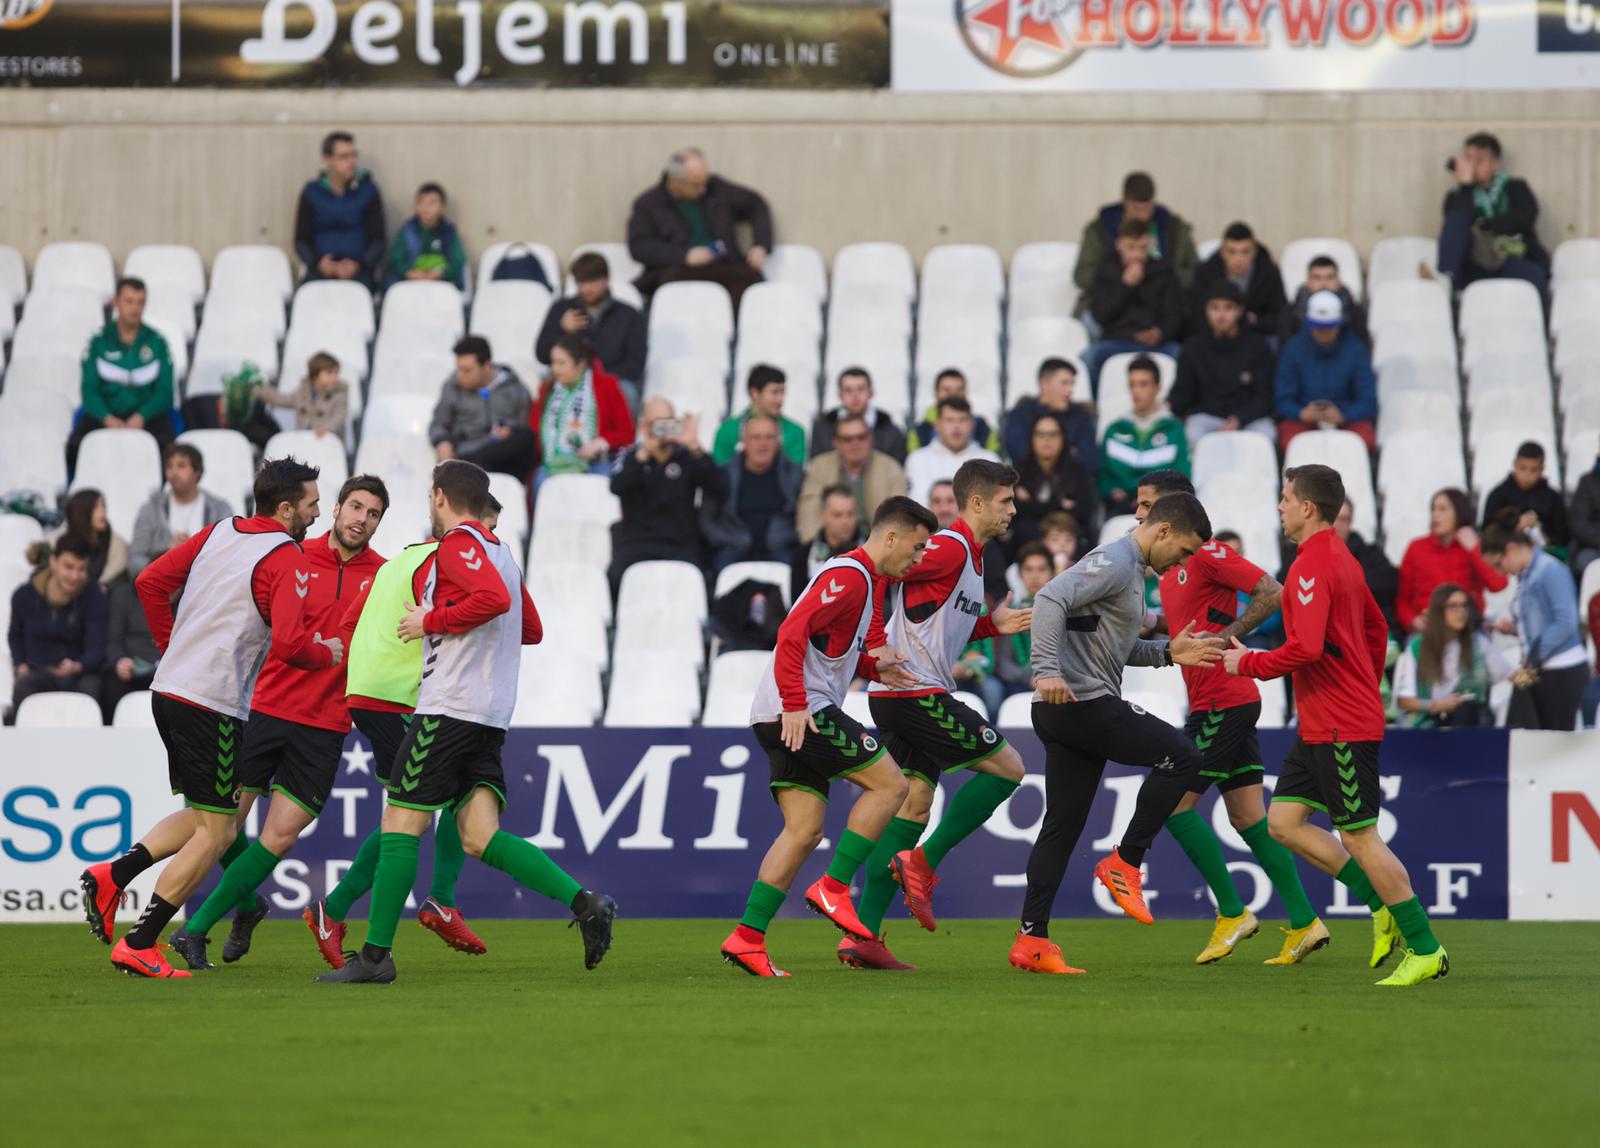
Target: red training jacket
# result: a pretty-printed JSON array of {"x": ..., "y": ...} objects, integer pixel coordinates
[
  {"x": 1336, "y": 646},
  {"x": 1429, "y": 564},
  {"x": 612, "y": 419},
  {"x": 832, "y": 625},
  {"x": 466, "y": 597},
  {"x": 928, "y": 585},
  {"x": 1205, "y": 590}
]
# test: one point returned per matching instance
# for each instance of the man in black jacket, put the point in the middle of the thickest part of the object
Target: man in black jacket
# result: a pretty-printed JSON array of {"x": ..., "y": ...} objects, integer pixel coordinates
[
  {"x": 855, "y": 401},
  {"x": 1539, "y": 505},
  {"x": 685, "y": 228},
  {"x": 754, "y": 521},
  {"x": 1249, "y": 266},
  {"x": 615, "y": 330},
  {"x": 1225, "y": 373},
  {"x": 1135, "y": 300},
  {"x": 1489, "y": 218},
  {"x": 57, "y": 632}
]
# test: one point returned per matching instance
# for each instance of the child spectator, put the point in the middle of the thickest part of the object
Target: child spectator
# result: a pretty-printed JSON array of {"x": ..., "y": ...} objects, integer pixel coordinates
[
  {"x": 321, "y": 402},
  {"x": 428, "y": 246},
  {"x": 1148, "y": 439}
]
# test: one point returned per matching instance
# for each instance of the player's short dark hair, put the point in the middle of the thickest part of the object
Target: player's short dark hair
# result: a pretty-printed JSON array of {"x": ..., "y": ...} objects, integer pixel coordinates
[
  {"x": 184, "y": 450},
  {"x": 898, "y": 512},
  {"x": 762, "y": 376},
  {"x": 75, "y": 545},
  {"x": 475, "y": 345},
  {"x": 1131, "y": 228},
  {"x": 1183, "y": 513},
  {"x": 463, "y": 484},
  {"x": 835, "y": 491},
  {"x": 955, "y": 403},
  {"x": 1165, "y": 482},
  {"x": 369, "y": 484},
  {"x": 1323, "y": 261},
  {"x": 431, "y": 188},
  {"x": 1033, "y": 550},
  {"x": 131, "y": 281},
  {"x": 491, "y": 505},
  {"x": 334, "y": 139},
  {"x": 1485, "y": 140},
  {"x": 1147, "y": 364},
  {"x": 980, "y": 477},
  {"x": 1531, "y": 450},
  {"x": 282, "y": 480},
  {"x": 589, "y": 266},
  {"x": 1237, "y": 232},
  {"x": 1319, "y": 485},
  {"x": 576, "y": 347},
  {"x": 1138, "y": 187},
  {"x": 859, "y": 372}
]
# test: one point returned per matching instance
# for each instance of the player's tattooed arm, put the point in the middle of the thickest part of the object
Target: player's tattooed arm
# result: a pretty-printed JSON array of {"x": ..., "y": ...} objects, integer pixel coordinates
[{"x": 1265, "y": 598}]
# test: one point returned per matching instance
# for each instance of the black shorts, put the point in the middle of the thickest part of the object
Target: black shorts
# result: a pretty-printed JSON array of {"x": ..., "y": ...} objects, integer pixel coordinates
[
  {"x": 384, "y": 731},
  {"x": 932, "y": 735},
  {"x": 1230, "y": 751},
  {"x": 839, "y": 746},
  {"x": 1340, "y": 778},
  {"x": 298, "y": 761},
  {"x": 443, "y": 759},
  {"x": 202, "y": 753},
  {"x": 1091, "y": 733}
]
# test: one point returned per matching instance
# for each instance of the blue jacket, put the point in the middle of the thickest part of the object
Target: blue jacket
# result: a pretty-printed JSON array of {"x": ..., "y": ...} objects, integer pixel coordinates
[
  {"x": 41, "y": 635},
  {"x": 1547, "y": 607},
  {"x": 1340, "y": 373},
  {"x": 349, "y": 226}
]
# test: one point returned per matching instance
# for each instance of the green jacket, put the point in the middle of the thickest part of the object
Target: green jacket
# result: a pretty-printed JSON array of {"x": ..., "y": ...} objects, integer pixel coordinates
[
  {"x": 416, "y": 248},
  {"x": 726, "y": 444},
  {"x": 1130, "y": 451},
  {"x": 124, "y": 380}
]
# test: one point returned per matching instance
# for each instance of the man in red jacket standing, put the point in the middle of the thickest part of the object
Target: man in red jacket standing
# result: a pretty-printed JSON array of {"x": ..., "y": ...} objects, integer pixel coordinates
[{"x": 1335, "y": 648}]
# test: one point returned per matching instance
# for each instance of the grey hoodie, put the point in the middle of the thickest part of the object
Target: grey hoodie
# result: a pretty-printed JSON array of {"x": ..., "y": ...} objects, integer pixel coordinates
[
  {"x": 466, "y": 418},
  {"x": 152, "y": 535}
]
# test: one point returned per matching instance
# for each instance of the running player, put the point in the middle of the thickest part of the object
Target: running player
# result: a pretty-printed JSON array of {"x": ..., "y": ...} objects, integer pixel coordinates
[
  {"x": 1223, "y": 712},
  {"x": 1335, "y": 646},
  {"x": 799, "y": 720},
  {"x": 244, "y": 586},
  {"x": 384, "y": 672},
  {"x": 930, "y": 616},
  {"x": 1086, "y": 626},
  {"x": 295, "y": 739},
  {"x": 473, "y": 615}
]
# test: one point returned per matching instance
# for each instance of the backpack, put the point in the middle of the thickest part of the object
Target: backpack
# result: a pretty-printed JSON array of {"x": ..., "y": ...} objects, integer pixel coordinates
[
  {"x": 747, "y": 617},
  {"x": 519, "y": 262}
]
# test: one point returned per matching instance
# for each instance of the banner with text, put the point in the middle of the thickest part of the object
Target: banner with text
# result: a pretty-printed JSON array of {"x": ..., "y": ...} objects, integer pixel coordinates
[
  {"x": 548, "y": 43},
  {"x": 1555, "y": 809},
  {"x": 1243, "y": 45}
]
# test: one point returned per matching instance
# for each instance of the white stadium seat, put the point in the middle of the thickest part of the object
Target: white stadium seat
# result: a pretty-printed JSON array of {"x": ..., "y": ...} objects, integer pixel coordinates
[
  {"x": 973, "y": 701},
  {"x": 29, "y": 459},
  {"x": 706, "y": 306},
  {"x": 652, "y": 589},
  {"x": 224, "y": 346},
  {"x": 405, "y": 523},
  {"x": 1243, "y": 453},
  {"x": 396, "y": 456},
  {"x": 1410, "y": 302},
  {"x": 569, "y": 587},
  {"x": 125, "y": 466},
  {"x": 1274, "y": 704},
  {"x": 859, "y": 706},
  {"x": 1424, "y": 371},
  {"x": 230, "y": 466},
  {"x": 1407, "y": 411},
  {"x": 496, "y": 251},
  {"x": 579, "y": 497},
  {"x": 327, "y": 454},
  {"x": 254, "y": 267},
  {"x": 168, "y": 310},
  {"x": 774, "y": 573},
  {"x": 348, "y": 302},
  {"x": 1249, "y": 508},
  {"x": 553, "y": 693},
  {"x": 732, "y": 686},
  {"x": 1298, "y": 254},
  {"x": 13, "y": 276},
  {"x": 696, "y": 387},
  {"x": 879, "y": 266},
  {"x": 1499, "y": 299},
  {"x": 1047, "y": 262},
  {"x": 1115, "y": 401},
  {"x": 410, "y": 371},
  {"x": 1511, "y": 412},
  {"x": 1583, "y": 447},
  {"x": 1398, "y": 258},
  {"x": 651, "y": 690},
  {"x": 1574, "y": 260},
  {"x": 134, "y": 711},
  {"x": 59, "y": 711},
  {"x": 885, "y": 356},
  {"x": 800, "y": 266},
  {"x": 428, "y": 310},
  {"x": 779, "y": 306},
  {"x": 172, "y": 265},
  {"x": 86, "y": 266},
  {"x": 1347, "y": 454},
  {"x": 513, "y": 498},
  {"x": 400, "y": 415},
  {"x": 1169, "y": 707},
  {"x": 1016, "y": 712},
  {"x": 1494, "y": 452},
  {"x": 1577, "y": 345},
  {"x": 509, "y": 313}
]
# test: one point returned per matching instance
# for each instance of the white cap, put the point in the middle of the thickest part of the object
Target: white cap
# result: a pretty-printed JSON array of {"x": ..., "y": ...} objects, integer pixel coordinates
[{"x": 1324, "y": 310}]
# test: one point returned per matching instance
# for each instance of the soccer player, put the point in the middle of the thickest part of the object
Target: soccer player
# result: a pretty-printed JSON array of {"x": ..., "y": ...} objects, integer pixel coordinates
[
  {"x": 382, "y": 678},
  {"x": 930, "y": 616},
  {"x": 1336, "y": 645},
  {"x": 294, "y": 741},
  {"x": 1086, "y": 625},
  {"x": 799, "y": 720},
  {"x": 243, "y": 582},
  {"x": 1223, "y": 712},
  {"x": 473, "y": 615}
]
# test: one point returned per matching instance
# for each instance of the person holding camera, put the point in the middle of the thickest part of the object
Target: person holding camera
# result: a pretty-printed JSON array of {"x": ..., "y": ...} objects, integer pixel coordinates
[
  {"x": 1489, "y": 218},
  {"x": 658, "y": 480},
  {"x": 581, "y": 414}
]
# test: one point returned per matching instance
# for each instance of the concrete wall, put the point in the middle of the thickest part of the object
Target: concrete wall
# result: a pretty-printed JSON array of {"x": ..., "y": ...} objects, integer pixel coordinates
[{"x": 210, "y": 168}]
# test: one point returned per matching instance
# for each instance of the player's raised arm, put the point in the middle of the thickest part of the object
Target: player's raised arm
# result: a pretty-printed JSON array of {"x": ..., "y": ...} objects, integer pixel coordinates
[
  {"x": 159, "y": 581},
  {"x": 461, "y": 561}
]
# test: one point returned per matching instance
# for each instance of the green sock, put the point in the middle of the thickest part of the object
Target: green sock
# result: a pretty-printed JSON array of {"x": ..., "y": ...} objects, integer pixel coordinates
[
  {"x": 1354, "y": 878},
  {"x": 1199, "y": 841},
  {"x": 1413, "y": 922},
  {"x": 763, "y": 905},
  {"x": 1280, "y": 868},
  {"x": 448, "y": 858},
  {"x": 847, "y": 858},
  {"x": 236, "y": 850},
  {"x": 530, "y": 867},
  {"x": 879, "y": 888},
  {"x": 969, "y": 809},
  {"x": 391, "y": 885},
  {"x": 238, "y": 879},
  {"x": 357, "y": 879}
]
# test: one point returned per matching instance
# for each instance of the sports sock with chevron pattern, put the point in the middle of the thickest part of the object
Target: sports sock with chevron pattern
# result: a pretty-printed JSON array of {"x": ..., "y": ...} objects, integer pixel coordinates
[
  {"x": 1204, "y": 850},
  {"x": 969, "y": 809},
  {"x": 878, "y": 890}
]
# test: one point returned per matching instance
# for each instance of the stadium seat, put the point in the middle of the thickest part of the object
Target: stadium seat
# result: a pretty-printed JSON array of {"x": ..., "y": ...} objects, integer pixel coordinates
[
  {"x": 491, "y": 257},
  {"x": 1016, "y": 712},
  {"x": 773, "y": 573},
  {"x": 407, "y": 415},
  {"x": 570, "y": 540},
  {"x": 1396, "y": 259},
  {"x": 1574, "y": 260},
  {"x": 59, "y": 711},
  {"x": 1248, "y": 507},
  {"x": 45, "y": 372},
  {"x": 84, "y": 266},
  {"x": 230, "y": 466},
  {"x": 41, "y": 410},
  {"x": 124, "y": 465},
  {"x": 1274, "y": 704},
  {"x": 1582, "y": 445},
  {"x": 225, "y": 345},
  {"x": 410, "y": 371},
  {"x": 58, "y": 321},
  {"x": 509, "y": 313},
  {"x": 327, "y": 454},
  {"x": 13, "y": 276},
  {"x": 800, "y": 266},
  {"x": 1511, "y": 412},
  {"x": 651, "y": 690},
  {"x": 171, "y": 265},
  {"x": 886, "y": 267},
  {"x": 1415, "y": 463},
  {"x": 1041, "y": 281},
  {"x": 1347, "y": 454},
  {"x": 1579, "y": 378},
  {"x": 1412, "y": 343},
  {"x": 1574, "y": 305},
  {"x": 1407, "y": 411},
  {"x": 1580, "y": 412},
  {"x": 17, "y": 533},
  {"x": 1236, "y": 452},
  {"x": 732, "y": 686},
  {"x": 513, "y": 497},
  {"x": 1298, "y": 254},
  {"x": 858, "y": 705},
  {"x": 1114, "y": 400},
  {"x": 1116, "y": 527},
  {"x": 348, "y": 302},
  {"x": 697, "y": 387},
  {"x": 706, "y": 306},
  {"x": 134, "y": 711},
  {"x": 779, "y": 306},
  {"x": 553, "y": 693},
  {"x": 568, "y": 586},
  {"x": 977, "y": 704},
  {"x": 976, "y": 264},
  {"x": 325, "y": 335},
  {"x": 579, "y": 637},
  {"x": 885, "y": 356},
  {"x": 972, "y": 351},
  {"x": 1499, "y": 299},
  {"x": 652, "y": 589},
  {"x": 405, "y": 523},
  {"x": 1525, "y": 371},
  {"x": 1424, "y": 371},
  {"x": 1029, "y": 342},
  {"x": 1410, "y": 302},
  {"x": 395, "y": 456},
  {"x": 29, "y": 460},
  {"x": 431, "y": 309},
  {"x": 254, "y": 266},
  {"x": 795, "y": 353},
  {"x": 1577, "y": 345},
  {"x": 168, "y": 310}
]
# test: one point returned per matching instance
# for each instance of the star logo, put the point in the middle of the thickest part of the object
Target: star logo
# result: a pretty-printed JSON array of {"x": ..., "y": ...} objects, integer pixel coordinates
[
  {"x": 1023, "y": 38},
  {"x": 358, "y": 759}
]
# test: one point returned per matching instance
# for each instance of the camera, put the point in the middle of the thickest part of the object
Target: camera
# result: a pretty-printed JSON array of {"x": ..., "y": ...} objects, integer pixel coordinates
[
  {"x": 667, "y": 428},
  {"x": 1450, "y": 164}
]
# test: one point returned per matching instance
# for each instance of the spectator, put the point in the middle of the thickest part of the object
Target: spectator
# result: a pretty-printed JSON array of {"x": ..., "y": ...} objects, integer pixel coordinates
[
  {"x": 1057, "y": 378},
  {"x": 1447, "y": 553},
  {"x": 84, "y": 517},
  {"x": 131, "y": 653},
  {"x": 428, "y": 246},
  {"x": 1443, "y": 678},
  {"x": 1539, "y": 506},
  {"x": 321, "y": 402},
  {"x": 1269, "y": 634},
  {"x": 766, "y": 388},
  {"x": 1059, "y": 535},
  {"x": 1249, "y": 266},
  {"x": 1148, "y": 439},
  {"x": 974, "y": 672},
  {"x": 1013, "y": 664},
  {"x": 127, "y": 375},
  {"x": 1171, "y": 240},
  {"x": 658, "y": 479},
  {"x": 839, "y": 531},
  {"x": 1591, "y": 692},
  {"x": 1135, "y": 300},
  {"x": 580, "y": 416},
  {"x": 1555, "y": 669},
  {"x": 950, "y": 384},
  {"x": 754, "y": 520},
  {"x": 1381, "y": 576},
  {"x": 1224, "y": 378},
  {"x": 942, "y": 501},
  {"x": 1325, "y": 377},
  {"x": 482, "y": 415},
  {"x": 57, "y": 633},
  {"x": 615, "y": 330},
  {"x": 1584, "y": 522},
  {"x": 1323, "y": 275},
  {"x": 952, "y": 446},
  {"x": 870, "y": 475},
  {"x": 338, "y": 225},
  {"x": 1488, "y": 230},
  {"x": 855, "y": 398},
  {"x": 1049, "y": 480},
  {"x": 685, "y": 228},
  {"x": 169, "y": 517}
]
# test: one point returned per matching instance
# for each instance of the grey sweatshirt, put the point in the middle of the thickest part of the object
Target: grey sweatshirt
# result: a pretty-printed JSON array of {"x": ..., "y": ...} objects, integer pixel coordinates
[{"x": 1086, "y": 622}]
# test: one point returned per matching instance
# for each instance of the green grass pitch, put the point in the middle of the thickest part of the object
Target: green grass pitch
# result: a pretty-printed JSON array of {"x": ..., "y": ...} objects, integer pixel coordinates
[{"x": 663, "y": 1045}]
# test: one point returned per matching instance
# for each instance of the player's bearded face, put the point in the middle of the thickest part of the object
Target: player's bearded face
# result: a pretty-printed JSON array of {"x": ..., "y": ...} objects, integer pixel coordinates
[{"x": 305, "y": 512}]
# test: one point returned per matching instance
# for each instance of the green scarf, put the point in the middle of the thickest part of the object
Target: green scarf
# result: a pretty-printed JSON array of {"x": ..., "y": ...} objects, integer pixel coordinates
[
  {"x": 1474, "y": 680},
  {"x": 1494, "y": 200},
  {"x": 570, "y": 420}
]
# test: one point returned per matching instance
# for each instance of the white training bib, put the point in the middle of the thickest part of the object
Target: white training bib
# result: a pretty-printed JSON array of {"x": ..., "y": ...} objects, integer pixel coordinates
[
  {"x": 473, "y": 676},
  {"x": 827, "y": 679}
]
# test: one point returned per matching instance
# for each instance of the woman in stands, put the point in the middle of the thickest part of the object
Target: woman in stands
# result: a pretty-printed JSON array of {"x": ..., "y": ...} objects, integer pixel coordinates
[
  {"x": 1049, "y": 479},
  {"x": 1449, "y": 552},
  {"x": 1443, "y": 678},
  {"x": 85, "y": 516},
  {"x": 580, "y": 417},
  {"x": 1555, "y": 669}
]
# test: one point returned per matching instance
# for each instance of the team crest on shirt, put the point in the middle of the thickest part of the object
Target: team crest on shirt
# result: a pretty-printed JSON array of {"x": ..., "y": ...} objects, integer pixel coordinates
[
  {"x": 1183, "y": 576},
  {"x": 1138, "y": 709},
  {"x": 868, "y": 742},
  {"x": 146, "y": 354},
  {"x": 989, "y": 736},
  {"x": 674, "y": 471}
]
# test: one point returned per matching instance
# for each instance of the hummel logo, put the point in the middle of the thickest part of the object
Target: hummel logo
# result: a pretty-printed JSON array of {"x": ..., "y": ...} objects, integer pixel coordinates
[
  {"x": 932, "y": 545},
  {"x": 1307, "y": 583},
  {"x": 470, "y": 558},
  {"x": 827, "y": 598},
  {"x": 300, "y": 591},
  {"x": 1215, "y": 547},
  {"x": 300, "y": 576},
  {"x": 1305, "y": 599},
  {"x": 1027, "y": 928},
  {"x": 1096, "y": 561}
]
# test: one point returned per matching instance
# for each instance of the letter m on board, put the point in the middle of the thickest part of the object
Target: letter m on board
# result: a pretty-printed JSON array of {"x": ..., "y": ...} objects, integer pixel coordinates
[{"x": 1564, "y": 809}]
